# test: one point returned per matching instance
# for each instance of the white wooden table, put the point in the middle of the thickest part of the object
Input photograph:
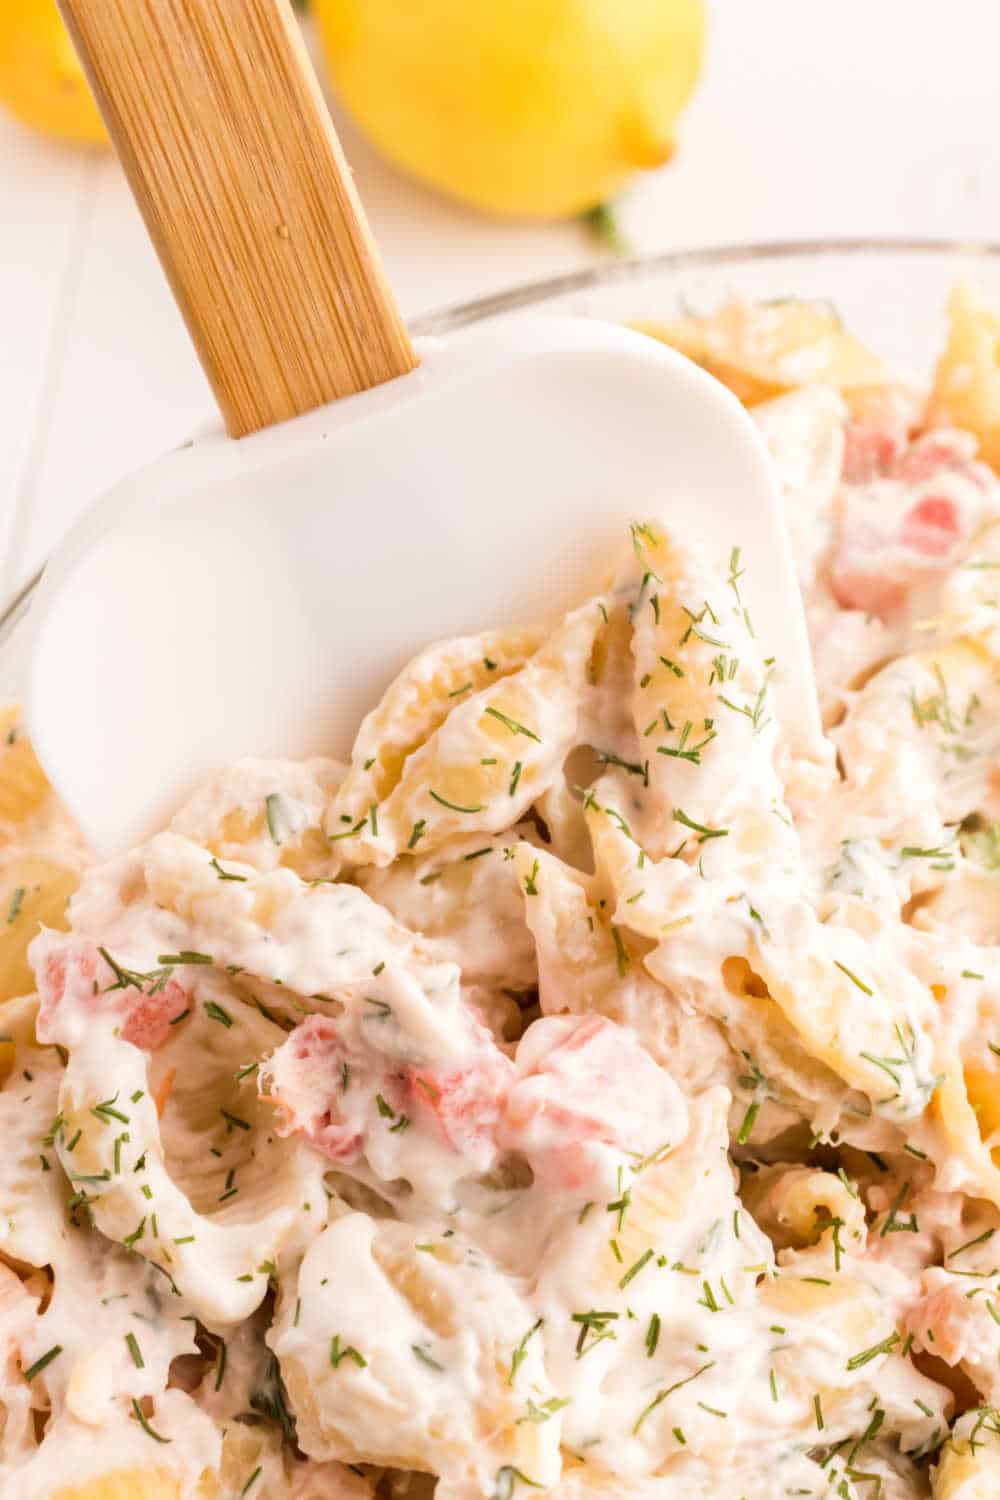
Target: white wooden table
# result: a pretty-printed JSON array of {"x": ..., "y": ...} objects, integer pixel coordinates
[{"x": 814, "y": 117}]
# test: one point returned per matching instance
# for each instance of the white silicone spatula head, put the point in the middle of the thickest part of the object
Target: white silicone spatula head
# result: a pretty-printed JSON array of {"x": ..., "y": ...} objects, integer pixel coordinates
[{"x": 255, "y": 598}]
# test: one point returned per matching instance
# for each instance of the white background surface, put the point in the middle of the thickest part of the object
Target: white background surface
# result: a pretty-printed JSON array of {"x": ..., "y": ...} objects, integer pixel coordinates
[{"x": 814, "y": 117}]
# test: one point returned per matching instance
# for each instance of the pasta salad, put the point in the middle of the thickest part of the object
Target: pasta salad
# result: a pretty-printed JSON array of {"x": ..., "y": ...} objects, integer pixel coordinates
[{"x": 576, "y": 1092}]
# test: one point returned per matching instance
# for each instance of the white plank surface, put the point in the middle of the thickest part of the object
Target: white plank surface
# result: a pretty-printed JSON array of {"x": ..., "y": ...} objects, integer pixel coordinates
[{"x": 814, "y": 117}]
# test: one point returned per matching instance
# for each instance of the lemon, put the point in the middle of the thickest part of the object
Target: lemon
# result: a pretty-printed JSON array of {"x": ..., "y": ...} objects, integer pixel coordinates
[
  {"x": 534, "y": 108},
  {"x": 41, "y": 80}
]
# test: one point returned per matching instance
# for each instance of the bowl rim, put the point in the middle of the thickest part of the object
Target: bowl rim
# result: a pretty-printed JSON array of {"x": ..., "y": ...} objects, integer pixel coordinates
[
  {"x": 610, "y": 273},
  {"x": 628, "y": 268}
]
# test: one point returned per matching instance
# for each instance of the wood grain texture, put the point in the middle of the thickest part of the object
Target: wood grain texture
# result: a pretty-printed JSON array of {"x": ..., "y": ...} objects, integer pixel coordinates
[{"x": 225, "y": 137}]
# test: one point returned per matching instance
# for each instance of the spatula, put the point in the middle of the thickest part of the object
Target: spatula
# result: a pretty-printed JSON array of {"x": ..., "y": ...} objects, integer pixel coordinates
[{"x": 253, "y": 594}]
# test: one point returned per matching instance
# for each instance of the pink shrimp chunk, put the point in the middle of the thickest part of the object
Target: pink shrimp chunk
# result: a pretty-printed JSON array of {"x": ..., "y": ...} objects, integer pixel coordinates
[
  {"x": 312, "y": 1075},
  {"x": 905, "y": 514},
  {"x": 331, "y": 1086},
  {"x": 855, "y": 588},
  {"x": 868, "y": 453},
  {"x": 76, "y": 984},
  {"x": 932, "y": 527},
  {"x": 942, "y": 1323},
  {"x": 586, "y": 1083},
  {"x": 465, "y": 1105}
]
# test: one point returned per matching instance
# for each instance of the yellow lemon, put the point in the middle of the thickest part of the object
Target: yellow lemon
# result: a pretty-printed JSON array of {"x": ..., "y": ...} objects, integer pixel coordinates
[
  {"x": 524, "y": 107},
  {"x": 41, "y": 80}
]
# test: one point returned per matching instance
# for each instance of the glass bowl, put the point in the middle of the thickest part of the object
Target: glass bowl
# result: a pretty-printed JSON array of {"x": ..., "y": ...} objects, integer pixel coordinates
[{"x": 891, "y": 293}]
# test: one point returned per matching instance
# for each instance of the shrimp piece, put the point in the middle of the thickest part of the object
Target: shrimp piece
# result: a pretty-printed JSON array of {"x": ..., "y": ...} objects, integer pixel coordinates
[
  {"x": 587, "y": 1085},
  {"x": 310, "y": 1078},
  {"x": 77, "y": 985},
  {"x": 335, "y": 1087},
  {"x": 465, "y": 1104},
  {"x": 906, "y": 514},
  {"x": 963, "y": 1332},
  {"x": 869, "y": 453}
]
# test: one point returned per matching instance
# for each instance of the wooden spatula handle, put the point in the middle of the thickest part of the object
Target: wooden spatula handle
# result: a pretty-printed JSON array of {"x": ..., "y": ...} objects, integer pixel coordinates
[{"x": 230, "y": 151}]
